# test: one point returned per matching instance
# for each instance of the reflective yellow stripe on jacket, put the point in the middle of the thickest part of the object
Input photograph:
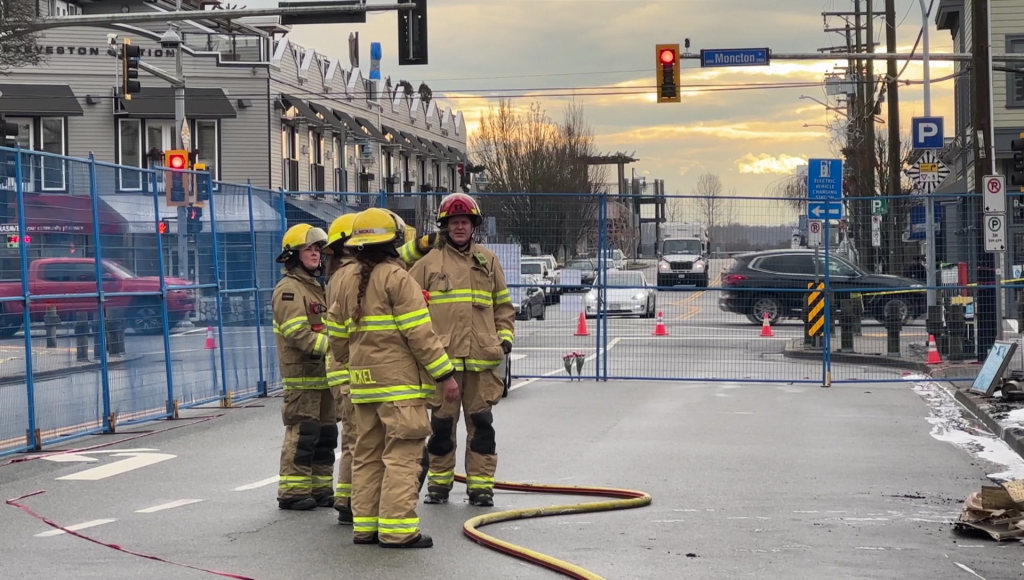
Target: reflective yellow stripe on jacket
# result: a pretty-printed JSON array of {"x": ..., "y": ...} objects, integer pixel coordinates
[
  {"x": 290, "y": 326},
  {"x": 462, "y": 295},
  {"x": 384, "y": 322}
]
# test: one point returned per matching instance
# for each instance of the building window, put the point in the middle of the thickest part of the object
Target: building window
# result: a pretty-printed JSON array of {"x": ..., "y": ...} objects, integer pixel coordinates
[
  {"x": 289, "y": 158},
  {"x": 52, "y": 140},
  {"x": 1014, "y": 92},
  {"x": 130, "y": 153},
  {"x": 340, "y": 175},
  {"x": 208, "y": 151}
]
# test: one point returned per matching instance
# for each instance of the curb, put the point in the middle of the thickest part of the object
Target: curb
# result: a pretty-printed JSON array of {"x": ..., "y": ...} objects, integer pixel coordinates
[
  {"x": 121, "y": 361},
  {"x": 978, "y": 408},
  {"x": 795, "y": 350}
]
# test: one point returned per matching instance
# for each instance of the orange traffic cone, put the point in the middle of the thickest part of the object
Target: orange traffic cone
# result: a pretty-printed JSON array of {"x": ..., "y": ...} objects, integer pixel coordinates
[
  {"x": 766, "y": 328},
  {"x": 933, "y": 353},
  {"x": 210, "y": 344},
  {"x": 659, "y": 328},
  {"x": 581, "y": 326}
]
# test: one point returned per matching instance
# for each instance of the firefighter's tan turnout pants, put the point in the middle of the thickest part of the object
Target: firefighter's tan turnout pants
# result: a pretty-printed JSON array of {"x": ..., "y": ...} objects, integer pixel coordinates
[
  {"x": 386, "y": 468},
  {"x": 310, "y": 437}
]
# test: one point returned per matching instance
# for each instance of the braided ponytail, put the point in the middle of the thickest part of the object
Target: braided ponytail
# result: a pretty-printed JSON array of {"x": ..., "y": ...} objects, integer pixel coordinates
[{"x": 368, "y": 260}]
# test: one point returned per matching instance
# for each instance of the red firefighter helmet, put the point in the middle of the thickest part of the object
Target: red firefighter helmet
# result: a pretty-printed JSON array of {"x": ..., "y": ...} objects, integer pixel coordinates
[{"x": 459, "y": 204}]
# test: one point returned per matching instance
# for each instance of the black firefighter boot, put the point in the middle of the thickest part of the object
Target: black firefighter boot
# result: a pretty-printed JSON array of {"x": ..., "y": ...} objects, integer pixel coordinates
[
  {"x": 436, "y": 495},
  {"x": 297, "y": 503},
  {"x": 481, "y": 497},
  {"x": 344, "y": 513},
  {"x": 419, "y": 541}
]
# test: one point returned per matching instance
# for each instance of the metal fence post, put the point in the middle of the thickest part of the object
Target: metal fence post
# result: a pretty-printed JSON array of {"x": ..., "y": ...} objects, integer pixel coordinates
[
  {"x": 602, "y": 281},
  {"x": 220, "y": 309},
  {"x": 603, "y": 352},
  {"x": 109, "y": 423},
  {"x": 33, "y": 437},
  {"x": 826, "y": 351},
  {"x": 172, "y": 402},
  {"x": 261, "y": 388}
]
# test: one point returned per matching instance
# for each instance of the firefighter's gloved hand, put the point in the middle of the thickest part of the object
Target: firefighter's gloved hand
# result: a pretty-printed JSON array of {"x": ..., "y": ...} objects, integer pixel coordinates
[
  {"x": 506, "y": 346},
  {"x": 426, "y": 243}
]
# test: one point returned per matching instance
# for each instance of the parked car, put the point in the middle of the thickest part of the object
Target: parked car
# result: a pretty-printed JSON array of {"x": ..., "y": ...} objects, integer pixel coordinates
[
  {"x": 636, "y": 297},
  {"x": 773, "y": 278},
  {"x": 529, "y": 303},
  {"x": 76, "y": 278},
  {"x": 552, "y": 273},
  {"x": 588, "y": 273},
  {"x": 536, "y": 273}
]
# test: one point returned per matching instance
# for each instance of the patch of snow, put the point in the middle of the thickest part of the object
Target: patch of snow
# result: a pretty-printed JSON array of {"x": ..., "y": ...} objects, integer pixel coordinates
[
  {"x": 950, "y": 425},
  {"x": 1016, "y": 416}
]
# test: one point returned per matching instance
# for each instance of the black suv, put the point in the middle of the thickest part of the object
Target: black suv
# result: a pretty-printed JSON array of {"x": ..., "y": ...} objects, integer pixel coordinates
[{"x": 751, "y": 280}]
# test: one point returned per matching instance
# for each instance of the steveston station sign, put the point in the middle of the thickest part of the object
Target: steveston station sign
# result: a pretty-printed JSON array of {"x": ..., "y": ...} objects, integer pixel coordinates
[{"x": 85, "y": 50}]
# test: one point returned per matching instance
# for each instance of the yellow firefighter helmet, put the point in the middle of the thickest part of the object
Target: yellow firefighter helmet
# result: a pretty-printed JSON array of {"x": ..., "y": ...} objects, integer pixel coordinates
[{"x": 298, "y": 237}]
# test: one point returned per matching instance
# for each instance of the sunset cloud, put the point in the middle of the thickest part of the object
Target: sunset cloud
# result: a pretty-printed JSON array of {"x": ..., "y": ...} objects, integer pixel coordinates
[{"x": 765, "y": 163}]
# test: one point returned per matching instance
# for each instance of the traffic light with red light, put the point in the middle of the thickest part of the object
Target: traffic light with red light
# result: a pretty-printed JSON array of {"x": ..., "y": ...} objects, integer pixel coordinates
[
  {"x": 163, "y": 227},
  {"x": 177, "y": 183},
  {"x": 667, "y": 75}
]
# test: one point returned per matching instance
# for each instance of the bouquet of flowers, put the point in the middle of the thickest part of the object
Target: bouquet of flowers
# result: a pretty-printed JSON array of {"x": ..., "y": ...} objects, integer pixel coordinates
[{"x": 568, "y": 359}]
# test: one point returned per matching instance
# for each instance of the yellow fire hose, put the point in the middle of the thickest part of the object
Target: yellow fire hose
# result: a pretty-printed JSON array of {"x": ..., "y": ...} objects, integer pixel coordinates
[{"x": 626, "y": 499}]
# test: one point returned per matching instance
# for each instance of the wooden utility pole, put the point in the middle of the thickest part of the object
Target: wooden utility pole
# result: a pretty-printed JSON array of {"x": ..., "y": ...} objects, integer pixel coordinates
[
  {"x": 895, "y": 169},
  {"x": 981, "y": 146}
]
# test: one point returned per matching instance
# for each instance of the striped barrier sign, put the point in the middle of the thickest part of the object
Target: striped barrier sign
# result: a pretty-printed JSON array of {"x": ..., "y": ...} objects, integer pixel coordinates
[{"x": 815, "y": 309}]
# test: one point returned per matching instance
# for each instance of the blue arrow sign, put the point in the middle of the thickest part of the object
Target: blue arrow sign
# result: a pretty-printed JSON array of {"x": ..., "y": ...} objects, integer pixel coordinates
[
  {"x": 721, "y": 57},
  {"x": 819, "y": 210}
]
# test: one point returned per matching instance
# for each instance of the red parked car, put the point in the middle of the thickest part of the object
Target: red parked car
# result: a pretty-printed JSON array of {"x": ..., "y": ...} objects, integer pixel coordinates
[{"x": 71, "y": 276}]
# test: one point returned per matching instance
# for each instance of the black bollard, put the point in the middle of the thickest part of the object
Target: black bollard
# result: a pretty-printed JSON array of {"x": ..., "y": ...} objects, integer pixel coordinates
[
  {"x": 956, "y": 330},
  {"x": 846, "y": 325},
  {"x": 893, "y": 326},
  {"x": 82, "y": 336},
  {"x": 115, "y": 336},
  {"x": 97, "y": 345},
  {"x": 51, "y": 320}
]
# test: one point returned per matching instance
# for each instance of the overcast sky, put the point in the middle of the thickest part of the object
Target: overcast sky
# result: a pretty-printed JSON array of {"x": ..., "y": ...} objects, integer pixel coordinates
[{"x": 750, "y": 138}]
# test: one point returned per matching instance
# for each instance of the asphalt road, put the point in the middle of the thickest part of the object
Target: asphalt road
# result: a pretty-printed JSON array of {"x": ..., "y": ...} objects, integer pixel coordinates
[{"x": 748, "y": 481}]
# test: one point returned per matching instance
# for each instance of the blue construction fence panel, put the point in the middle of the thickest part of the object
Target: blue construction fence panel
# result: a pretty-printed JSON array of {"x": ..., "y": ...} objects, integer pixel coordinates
[{"x": 117, "y": 308}]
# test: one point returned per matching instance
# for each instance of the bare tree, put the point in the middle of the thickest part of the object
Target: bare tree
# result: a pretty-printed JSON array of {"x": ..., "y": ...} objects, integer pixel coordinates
[
  {"x": 712, "y": 206},
  {"x": 17, "y": 41},
  {"x": 528, "y": 153}
]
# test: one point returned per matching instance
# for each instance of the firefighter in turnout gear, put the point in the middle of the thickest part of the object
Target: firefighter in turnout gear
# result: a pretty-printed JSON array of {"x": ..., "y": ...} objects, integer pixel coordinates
[
  {"x": 473, "y": 316},
  {"x": 311, "y": 431},
  {"x": 337, "y": 374},
  {"x": 394, "y": 361}
]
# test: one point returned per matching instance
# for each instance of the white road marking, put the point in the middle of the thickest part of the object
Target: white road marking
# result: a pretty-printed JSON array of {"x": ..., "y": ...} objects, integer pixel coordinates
[
  {"x": 75, "y": 528},
  {"x": 258, "y": 484},
  {"x": 167, "y": 506},
  {"x": 133, "y": 461},
  {"x": 81, "y": 456},
  {"x": 611, "y": 345},
  {"x": 514, "y": 356}
]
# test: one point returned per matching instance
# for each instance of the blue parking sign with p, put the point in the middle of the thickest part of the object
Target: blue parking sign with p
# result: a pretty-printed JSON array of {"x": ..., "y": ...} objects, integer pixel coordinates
[{"x": 927, "y": 132}]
